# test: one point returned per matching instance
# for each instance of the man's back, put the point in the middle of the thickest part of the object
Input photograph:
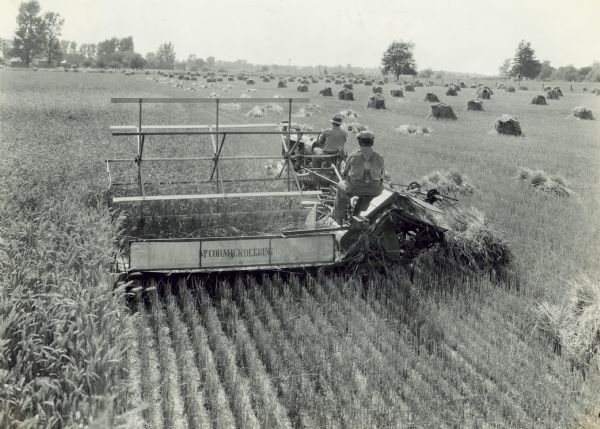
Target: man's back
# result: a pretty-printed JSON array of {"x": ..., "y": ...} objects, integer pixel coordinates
[
  {"x": 364, "y": 165},
  {"x": 333, "y": 138}
]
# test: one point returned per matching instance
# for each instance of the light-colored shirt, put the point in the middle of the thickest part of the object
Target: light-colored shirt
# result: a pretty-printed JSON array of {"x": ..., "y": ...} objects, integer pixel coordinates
[
  {"x": 333, "y": 139},
  {"x": 365, "y": 166}
]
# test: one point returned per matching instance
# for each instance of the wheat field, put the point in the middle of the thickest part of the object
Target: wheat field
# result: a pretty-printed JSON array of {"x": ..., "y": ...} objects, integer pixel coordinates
[{"x": 451, "y": 349}]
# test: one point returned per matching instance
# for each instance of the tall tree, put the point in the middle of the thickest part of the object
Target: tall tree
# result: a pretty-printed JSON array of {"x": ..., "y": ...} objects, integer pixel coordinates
[
  {"x": 546, "y": 70},
  {"x": 125, "y": 44},
  {"x": 398, "y": 59},
  {"x": 134, "y": 60},
  {"x": 568, "y": 73},
  {"x": 165, "y": 56},
  {"x": 107, "y": 47},
  {"x": 504, "y": 69},
  {"x": 525, "y": 65},
  {"x": 50, "y": 32},
  {"x": 210, "y": 61},
  {"x": 28, "y": 36},
  {"x": 91, "y": 51},
  {"x": 426, "y": 74},
  {"x": 64, "y": 46},
  {"x": 151, "y": 61},
  {"x": 194, "y": 63}
]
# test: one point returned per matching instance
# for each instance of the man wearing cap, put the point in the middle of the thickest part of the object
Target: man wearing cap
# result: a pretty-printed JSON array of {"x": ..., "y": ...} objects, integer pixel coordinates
[
  {"x": 362, "y": 176},
  {"x": 331, "y": 141}
]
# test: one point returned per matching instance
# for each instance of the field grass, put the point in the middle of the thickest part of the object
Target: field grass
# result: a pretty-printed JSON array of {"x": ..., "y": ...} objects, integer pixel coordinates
[{"x": 447, "y": 350}]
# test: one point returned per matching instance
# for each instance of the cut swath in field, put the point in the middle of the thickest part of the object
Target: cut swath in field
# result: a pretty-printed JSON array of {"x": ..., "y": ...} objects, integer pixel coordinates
[{"x": 542, "y": 181}]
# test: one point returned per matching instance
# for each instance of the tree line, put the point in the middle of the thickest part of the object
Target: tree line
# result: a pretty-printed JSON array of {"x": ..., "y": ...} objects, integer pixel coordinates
[
  {"x": 39, "y": 35},
  {"x": 525, "y": 65}
]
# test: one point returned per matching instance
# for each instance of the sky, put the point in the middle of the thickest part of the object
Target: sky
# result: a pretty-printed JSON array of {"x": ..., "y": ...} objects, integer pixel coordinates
[{"x": 473, "y": 36}]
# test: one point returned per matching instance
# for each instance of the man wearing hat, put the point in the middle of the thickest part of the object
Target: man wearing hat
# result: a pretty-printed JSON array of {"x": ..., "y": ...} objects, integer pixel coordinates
[
  {"x": 331, "y": 141},
  {"x": 362, "y": 176}
]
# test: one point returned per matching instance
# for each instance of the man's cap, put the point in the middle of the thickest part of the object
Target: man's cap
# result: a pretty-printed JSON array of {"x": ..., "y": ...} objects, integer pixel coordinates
[
  {"x": 365, "y": 135},
  {"x": 337, "y": 119}
]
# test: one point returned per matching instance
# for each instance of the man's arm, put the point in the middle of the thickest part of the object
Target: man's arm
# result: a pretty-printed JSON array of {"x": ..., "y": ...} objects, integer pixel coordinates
[
  {"x": 322, "y": 138},
  {"x": 385, "y": 175}
]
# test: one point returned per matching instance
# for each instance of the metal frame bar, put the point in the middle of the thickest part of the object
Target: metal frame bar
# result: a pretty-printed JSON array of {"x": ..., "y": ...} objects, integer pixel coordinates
[
  {"x": 199, "y": 100},
  {"x": 189, "y": 133},
  {"x": 140, "y": 141},
  {"x": 215, "y": 196},
  {"x": 201, "y": 158},
  {"x": 190, "y": 127}
]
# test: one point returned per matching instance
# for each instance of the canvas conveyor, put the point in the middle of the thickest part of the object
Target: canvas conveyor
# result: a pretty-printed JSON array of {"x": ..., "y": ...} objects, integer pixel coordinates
[{"x": 396, "y": 226}]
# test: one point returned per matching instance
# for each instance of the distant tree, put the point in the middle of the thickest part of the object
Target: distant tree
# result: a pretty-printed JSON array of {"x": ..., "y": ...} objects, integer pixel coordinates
[
  {"x": 165, "y": 56},
  {"x": 426, "y": 74},
  {"x": 210, "y": 61},
  {"x": 125, "y": 44},
  {"x": 107, "y": 47},
  {"x": 28, "y": 40},
  {"x": 51, "y": 26},
  {"x": 64, "y": 46},
  {"x": 440, "y": 74},
  {"x": 264, "y": 69},
  {"x": 546, "y": 70},
  {"x": 398, "y": 59},
  {"x": 135, "y": 61},
  {"x": 73, "y": 47},
  {"x": 504, "y": 69},
  {"x": 114, "y": 50},
  {"x": 583, "y": 72},
  {"x": 194, "y": 63},
  {"x": 568, "y": 73},
  {"x": 524, "y": 64},
  {"x": 91, "y": 50},
  {"x": 151, "y": 61},
  {"x": 594, "y": 74}
]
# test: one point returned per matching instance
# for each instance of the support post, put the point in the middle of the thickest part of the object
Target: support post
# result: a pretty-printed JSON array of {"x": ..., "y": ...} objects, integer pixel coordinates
[
  {"x": 216, "y": 167},
  {"x": 140, "y": 145},
  {"x": 287, "y": 159}
]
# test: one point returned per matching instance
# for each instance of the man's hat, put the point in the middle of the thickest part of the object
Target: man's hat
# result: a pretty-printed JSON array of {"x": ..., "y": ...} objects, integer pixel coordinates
[
  {"x": 365, "y": 135},
  {"x": 337, "y": 119}
]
